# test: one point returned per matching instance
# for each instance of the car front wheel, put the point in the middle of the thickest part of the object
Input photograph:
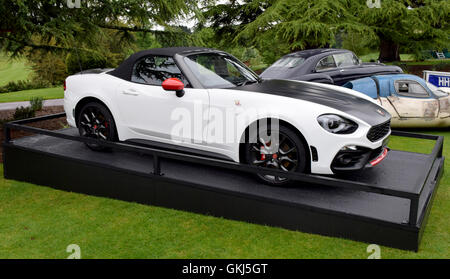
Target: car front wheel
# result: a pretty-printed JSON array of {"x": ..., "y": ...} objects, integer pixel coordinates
[{"x": 288, "y": 154}]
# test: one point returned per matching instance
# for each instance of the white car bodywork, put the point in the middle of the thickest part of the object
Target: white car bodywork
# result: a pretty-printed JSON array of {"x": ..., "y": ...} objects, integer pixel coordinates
[{"x": 146, "y": 112}]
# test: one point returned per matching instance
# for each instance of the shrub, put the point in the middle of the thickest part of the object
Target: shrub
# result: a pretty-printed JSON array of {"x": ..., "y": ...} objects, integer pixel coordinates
[
  {"x": 29, "y": 112},
  {"x": 20, "y": 85},
  {"x": 36, "y": 103},
  {"x": 441, "y": 66},
  {"x": 24, "y": 113},
  {"x": 48, "y": 67},
  {"x": 14, "y": 86}
]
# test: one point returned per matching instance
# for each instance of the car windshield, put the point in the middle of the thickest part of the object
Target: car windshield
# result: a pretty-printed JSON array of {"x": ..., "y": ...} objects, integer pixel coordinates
[
  {"x": 217, "y": 70},
  {"x": 436, "y": 90}
]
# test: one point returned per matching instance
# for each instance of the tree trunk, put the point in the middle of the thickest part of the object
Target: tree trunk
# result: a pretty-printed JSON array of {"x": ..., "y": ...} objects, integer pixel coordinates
[{"x": 389, "y": 50}]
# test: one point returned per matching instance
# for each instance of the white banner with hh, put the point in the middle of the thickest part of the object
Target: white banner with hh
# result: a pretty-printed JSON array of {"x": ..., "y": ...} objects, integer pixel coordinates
[{"x": 439, "y": 79}]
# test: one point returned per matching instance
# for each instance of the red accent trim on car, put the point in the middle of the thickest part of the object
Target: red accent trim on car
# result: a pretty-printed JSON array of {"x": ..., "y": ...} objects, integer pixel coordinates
[
  {"x": 379, "y": 158},
  {"x": 173, "y": 84}
]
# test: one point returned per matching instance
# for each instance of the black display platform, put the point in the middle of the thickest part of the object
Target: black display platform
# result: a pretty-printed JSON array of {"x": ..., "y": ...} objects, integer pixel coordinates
[{"x": 327, "y": 210}]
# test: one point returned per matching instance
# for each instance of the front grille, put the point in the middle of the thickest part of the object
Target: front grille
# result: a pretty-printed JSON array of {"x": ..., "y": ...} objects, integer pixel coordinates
[{"x": 379, "y": 131}]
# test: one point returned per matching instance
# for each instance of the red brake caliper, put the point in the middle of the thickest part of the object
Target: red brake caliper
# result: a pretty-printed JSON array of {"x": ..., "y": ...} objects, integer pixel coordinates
[{"x": 263, "y": 156}]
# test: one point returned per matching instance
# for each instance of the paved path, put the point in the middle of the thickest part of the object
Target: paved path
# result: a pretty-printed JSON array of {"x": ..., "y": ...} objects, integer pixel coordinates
[{"x": 47, "y": 103}]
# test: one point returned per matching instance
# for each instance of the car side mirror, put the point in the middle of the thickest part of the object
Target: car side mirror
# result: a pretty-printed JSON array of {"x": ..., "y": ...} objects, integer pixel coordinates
[{"x": 174, "y": 84}]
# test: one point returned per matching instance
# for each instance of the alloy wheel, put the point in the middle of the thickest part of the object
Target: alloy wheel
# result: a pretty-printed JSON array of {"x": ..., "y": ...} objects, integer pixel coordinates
[
  {"x": 95, "y": 121},
  {"x": 94, "y": 124},
  {"x": 267, "y": 153}
]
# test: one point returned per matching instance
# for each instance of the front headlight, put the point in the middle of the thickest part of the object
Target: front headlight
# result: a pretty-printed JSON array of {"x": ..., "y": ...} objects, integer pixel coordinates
[{"x": 336, "y": 124}]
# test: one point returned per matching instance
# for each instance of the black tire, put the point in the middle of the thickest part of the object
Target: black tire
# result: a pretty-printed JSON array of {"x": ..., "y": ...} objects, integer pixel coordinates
[
  {"x": 96, "y": 121},
  {"x": 290, "y": 146}
]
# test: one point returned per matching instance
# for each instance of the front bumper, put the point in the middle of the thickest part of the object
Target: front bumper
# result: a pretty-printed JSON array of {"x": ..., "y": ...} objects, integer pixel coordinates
[{"x": 354, "y": 160}]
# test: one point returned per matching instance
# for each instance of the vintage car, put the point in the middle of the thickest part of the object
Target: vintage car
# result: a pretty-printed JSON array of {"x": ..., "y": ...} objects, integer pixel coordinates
[
  {"x": 334, "y": 66},
  {"x": 323, "y": 129},
  {"x": 410, "y": 100}
]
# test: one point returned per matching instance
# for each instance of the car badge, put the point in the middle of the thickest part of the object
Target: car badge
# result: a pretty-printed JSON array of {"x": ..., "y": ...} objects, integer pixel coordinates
[
  {"x": 381, "y": 112},
  {"x": 237, "y": 102}
]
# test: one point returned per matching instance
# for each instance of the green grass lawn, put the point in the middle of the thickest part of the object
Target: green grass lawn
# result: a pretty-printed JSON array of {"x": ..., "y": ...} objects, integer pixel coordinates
[
  {"x": 12, "y": 70},
  {"x": 26, "y": 95},
  {"x": 374, "y": 56},
  {"x": 39, "y": 222},
  {"x": 15, "y": 70}
]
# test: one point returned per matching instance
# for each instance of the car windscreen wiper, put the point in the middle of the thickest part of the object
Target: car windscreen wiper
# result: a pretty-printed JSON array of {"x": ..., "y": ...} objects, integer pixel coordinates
[{"x": 246, "y": 82}]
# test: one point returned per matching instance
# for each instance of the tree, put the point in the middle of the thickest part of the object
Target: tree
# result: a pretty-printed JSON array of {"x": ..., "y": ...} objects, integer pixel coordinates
[
  {"x": 48, "y": 68},
  {"x": 227, "y": 19},
  {"x": 222, "y": 22},
  {"x": 303, "y": 24},
  {"x": 356, "y": 42},
  {"x": 279, "y": 26},
  {"x": 406, "y": 23},
  {"x": 53, "y": 26}
]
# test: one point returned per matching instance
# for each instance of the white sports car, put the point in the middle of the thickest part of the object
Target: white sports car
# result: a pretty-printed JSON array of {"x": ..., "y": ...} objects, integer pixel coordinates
[{"x": 207, "y": 102}]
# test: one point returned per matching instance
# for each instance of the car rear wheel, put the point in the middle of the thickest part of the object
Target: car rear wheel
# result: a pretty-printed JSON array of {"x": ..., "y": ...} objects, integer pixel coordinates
[
  {"x": 289, "y": 154},
  {"x": 95, "y": 121}
]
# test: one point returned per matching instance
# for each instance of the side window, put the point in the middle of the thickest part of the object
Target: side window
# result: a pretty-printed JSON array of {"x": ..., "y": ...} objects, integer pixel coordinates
[
  {"x": 326, "y": 63},
  {"x": 289, "y": 62},
  {"x": 410, "y": 88},
  {"x": 153, "y": 70},
  {"x": 345, "y": 59}
]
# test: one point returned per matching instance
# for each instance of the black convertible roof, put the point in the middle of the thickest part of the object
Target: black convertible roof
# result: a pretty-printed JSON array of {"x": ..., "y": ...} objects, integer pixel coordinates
[
  {"x": 170, "y": 51},
  {"x": 125, "y": 69}
]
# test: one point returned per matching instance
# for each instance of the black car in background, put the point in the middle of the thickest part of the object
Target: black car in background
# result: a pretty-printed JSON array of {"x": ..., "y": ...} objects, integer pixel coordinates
[{"x": 334, "y": 66}]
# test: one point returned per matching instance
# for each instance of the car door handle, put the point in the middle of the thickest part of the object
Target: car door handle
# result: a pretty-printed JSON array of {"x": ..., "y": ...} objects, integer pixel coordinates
[{"x": 131, "y": 92}]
